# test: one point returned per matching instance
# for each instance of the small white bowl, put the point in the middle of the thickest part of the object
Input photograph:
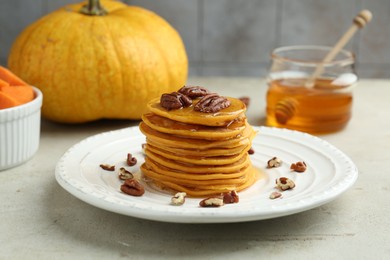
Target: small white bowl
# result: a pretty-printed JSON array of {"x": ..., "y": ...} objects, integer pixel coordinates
[{"x": 19, "y": 132}]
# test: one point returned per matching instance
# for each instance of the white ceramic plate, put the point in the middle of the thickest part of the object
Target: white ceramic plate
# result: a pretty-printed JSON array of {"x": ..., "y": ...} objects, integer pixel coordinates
[{"x": 330, "y": 172}]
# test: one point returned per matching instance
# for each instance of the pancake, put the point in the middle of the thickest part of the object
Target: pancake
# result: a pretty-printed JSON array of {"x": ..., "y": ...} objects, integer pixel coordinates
[
  {"x": 160, "y": 169},
  {"x": 194, "y": 180},
  {"x": 198, "y": 152},
  {"x": 188, "y": 115},
  {"x": 251, "y": 175},
  {"x": 199, "y": 184},
  {"x": 199, "y": 169},
  {"x": 199, "y": 144},
  {"x": 197, "y": 160}
]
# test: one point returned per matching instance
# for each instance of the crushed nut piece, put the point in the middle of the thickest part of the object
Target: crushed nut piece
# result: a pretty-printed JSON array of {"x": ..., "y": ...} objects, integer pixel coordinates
[
  {"x": 175, "y": 100},
  {"x": 231, "y": 197},
  {"x": 212, "y": 103},
  {"x": 132, "y": 187},
  {"x": 178, "y": 199},
  {"x": 124, "y": 174},
  {"x": 193, "y": 91},
  {"x": 298, "y": 167},
  {"x": 275, "y": 195},
  {"x": 245, "y": 100},
  {"x": 251, "y": 151},
  {"x": 211, "y": 202},
  {"x": 131, "y": 161},
  {"x": 107, "y": 167},
  {"x": 284, "y": 183},
  {"x": 274, "y": 162}
]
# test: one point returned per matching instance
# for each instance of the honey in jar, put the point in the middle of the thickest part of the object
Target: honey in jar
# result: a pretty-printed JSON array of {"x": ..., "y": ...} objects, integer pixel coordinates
[
  {"x": 319, "y": 109},
  {"x": 323, "y": 105}
]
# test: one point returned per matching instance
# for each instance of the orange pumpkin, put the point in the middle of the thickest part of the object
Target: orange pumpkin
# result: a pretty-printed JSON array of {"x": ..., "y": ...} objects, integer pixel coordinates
[{"x": 99, "y": 61}]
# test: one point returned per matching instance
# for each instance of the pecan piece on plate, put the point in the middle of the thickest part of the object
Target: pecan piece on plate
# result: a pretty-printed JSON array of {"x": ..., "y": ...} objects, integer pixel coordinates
[
  {"x": 231, "y": 197},
  {"x": 179, "y": 198},
  {"x": 124, "y": 174},
  {"x": 131, "y": 160},
  {"x": 274, "y": 162},
  {"x": 212, "y": 103},
  {"x": 211, "y": 202},
  {"x": 284, "y": 183},
  {"x": 132, "y": 187},
  {"x": 275, "y": 195},
  {"x": 175, "y": 100},
  {"x": 194, "y": 91},
  {"x": 107, "y": 167},
  {"x": 298, "y": 166}
]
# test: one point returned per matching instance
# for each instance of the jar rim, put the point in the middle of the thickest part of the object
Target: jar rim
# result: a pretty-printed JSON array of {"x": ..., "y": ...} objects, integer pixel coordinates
[{"x": 347, "y": 58}]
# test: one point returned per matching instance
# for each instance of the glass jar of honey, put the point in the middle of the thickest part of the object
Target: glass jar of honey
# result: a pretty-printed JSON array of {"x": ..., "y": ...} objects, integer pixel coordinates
[{"x": 297, "y": 100}]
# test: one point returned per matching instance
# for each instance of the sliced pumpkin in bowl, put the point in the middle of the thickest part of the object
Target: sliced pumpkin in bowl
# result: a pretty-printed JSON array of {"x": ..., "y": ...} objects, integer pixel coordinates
[{"x": 13, "y": 90}]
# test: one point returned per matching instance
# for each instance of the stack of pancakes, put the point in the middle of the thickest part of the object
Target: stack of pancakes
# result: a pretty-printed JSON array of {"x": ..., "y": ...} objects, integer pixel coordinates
[{"x": 199, "y": 153}]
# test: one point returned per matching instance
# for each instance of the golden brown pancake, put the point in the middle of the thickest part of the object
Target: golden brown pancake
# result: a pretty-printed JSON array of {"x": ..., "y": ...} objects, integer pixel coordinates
[
  {"x": 199, "y": 189},
  {"x": 190, "y": 143},
  {"x": 197, "y": 152},
  {"x": 199, "y": 175},
  {"x": 197, "y": 160},
  {"x": 200, "y": 169},
  {"x": 169, "y": 126},
  {"x": 188, "y": 115}
]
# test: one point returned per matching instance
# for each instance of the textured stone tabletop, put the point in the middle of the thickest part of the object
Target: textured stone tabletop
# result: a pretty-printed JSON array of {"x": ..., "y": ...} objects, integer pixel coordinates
[{"x": 40, "y": 220}]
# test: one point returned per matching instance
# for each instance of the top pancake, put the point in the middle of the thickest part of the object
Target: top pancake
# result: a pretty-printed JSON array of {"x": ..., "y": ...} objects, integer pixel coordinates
[{"x": 189, "y": 115}]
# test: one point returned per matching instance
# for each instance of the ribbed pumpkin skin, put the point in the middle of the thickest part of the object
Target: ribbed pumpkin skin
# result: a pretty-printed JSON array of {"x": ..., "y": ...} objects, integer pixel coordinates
[{"x": 94, "y": 67}]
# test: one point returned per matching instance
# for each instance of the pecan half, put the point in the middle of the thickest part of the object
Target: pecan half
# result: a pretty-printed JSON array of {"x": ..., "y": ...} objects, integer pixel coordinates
[
  {"x": 132, "y": 187},
  {"x": 212, "y": 103},
  {"x": 211, "y": 202},
  {"x": 194, "y": 91},
  {"x": 231, "y": 197},
  {"x": 175, "y": 100},
  {"x": 107, "y": 167},
  {"x": 124, "y": 174},
  {"x": 298, "y": 167},
  {"x": 131, "y": 161}
]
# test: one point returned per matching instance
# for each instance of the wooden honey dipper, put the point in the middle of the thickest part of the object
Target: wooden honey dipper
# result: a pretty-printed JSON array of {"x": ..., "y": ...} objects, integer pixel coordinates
[
  {"x": 359, "y": 22},
  {"x": 286, "y": 108}
]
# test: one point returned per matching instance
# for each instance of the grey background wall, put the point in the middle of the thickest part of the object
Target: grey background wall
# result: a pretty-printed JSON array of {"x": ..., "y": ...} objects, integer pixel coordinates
[{"x": 235, "y": 37}]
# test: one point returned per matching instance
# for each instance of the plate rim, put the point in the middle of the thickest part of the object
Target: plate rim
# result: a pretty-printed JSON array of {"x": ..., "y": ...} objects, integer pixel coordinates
[{"x": 212, "y": 216}]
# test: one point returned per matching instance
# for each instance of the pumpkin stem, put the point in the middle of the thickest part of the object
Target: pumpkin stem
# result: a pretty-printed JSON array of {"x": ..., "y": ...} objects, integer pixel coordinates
[{"x": 93, "y": 8}]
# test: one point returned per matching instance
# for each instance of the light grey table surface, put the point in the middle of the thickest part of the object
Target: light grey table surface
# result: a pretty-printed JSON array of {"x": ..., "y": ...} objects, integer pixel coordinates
[{"x": 40, "y": 220}]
